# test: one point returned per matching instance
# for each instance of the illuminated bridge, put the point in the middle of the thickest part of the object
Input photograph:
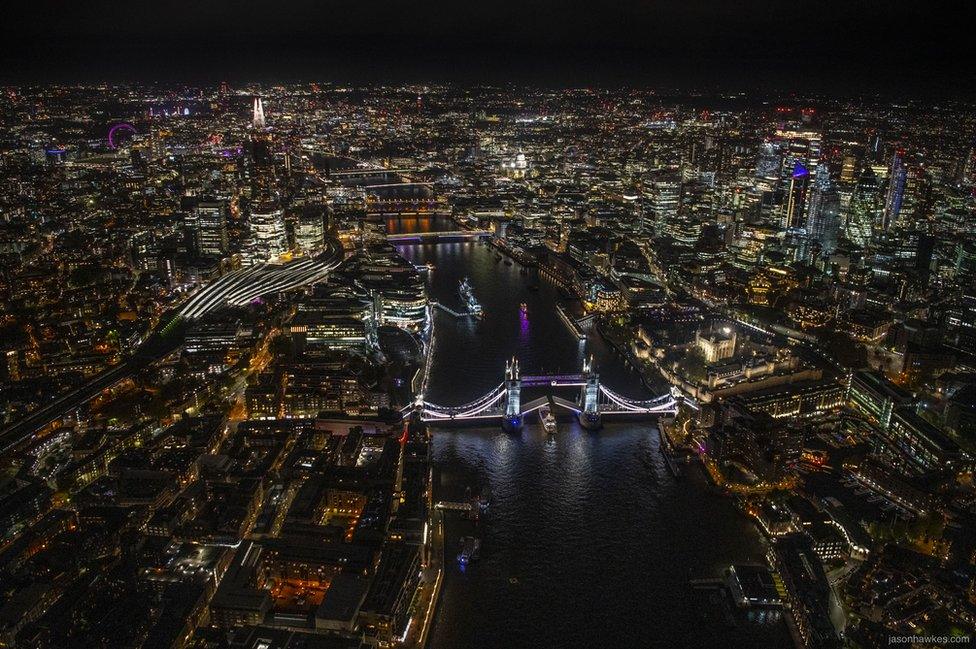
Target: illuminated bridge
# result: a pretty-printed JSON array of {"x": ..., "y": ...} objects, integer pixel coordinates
[
  {"x": 504, "y": 401},
  {"x": 242, "y": 286},
  {"x": 454, "y": 235}
]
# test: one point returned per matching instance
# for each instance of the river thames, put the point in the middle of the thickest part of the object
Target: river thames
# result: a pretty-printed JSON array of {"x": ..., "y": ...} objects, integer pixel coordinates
[{"x": 589, "y": 540}]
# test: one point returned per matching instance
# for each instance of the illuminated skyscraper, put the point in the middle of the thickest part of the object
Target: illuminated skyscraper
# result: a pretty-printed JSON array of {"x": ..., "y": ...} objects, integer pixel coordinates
[
  {"x": 848, "y": 169},
  {"x": 267, "y": 239},
  {"x": 207, "y": 229},
  {"x": 798, "y": 147},
  {"x": 665, "y": 195},
  {"x": 895, "y": 197},
  {"x": 865, "y": 212},
  {"x": 796, "y": 197},
  {"x": 768, "y": 162},
  {"x": 310, "y": 228},
  {"x": 261, "y": 144},
  {"x": 696, "y": 208},
  {"x": 823, "y": 222},
  {"x": 257, "y": 121},
  {"x": 967, "y": 172}
]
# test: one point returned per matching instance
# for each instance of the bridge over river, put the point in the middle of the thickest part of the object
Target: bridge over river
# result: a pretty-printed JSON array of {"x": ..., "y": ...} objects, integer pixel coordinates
[
  {"x": 580, "y": 527},
  {"x": 443, "y": 235},
  {"x": 504, "y": 402}
]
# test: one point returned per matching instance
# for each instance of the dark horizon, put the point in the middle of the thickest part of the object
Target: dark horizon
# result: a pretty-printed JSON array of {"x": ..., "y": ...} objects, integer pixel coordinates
[{"x": 897, "y": 49}]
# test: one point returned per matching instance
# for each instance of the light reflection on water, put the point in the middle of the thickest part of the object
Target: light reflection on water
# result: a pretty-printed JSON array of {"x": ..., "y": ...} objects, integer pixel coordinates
[{"x": 588, "y": 541}]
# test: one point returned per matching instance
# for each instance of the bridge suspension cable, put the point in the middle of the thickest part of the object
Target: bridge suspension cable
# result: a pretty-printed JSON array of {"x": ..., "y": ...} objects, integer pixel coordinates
[
  {"x": 491, "y": 395},
  {"x": 467, "y": 409},
  {"x": 664, "y": 402}
]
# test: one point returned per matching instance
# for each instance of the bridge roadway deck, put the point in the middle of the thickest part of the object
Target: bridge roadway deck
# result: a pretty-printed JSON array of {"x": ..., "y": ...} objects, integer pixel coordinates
[
  {"x": 553, "y": 400},
  {"x": 454, "y": 506},
  {"x": 556, "y": 380},
  {"x": 435, "y": 236},
  {"x": 456, "y": 314}
]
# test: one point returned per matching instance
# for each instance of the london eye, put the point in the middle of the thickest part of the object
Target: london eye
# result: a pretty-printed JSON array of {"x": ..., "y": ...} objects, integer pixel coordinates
[{"x": 117, "y": 132}]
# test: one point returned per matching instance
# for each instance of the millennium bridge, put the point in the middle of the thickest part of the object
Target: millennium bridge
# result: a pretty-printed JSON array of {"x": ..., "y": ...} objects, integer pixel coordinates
[{"x": 504, "y": 402}]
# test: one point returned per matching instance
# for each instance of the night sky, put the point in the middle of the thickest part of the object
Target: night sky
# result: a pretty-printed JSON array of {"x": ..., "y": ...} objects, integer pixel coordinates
[{"x": 920, "y": 46}]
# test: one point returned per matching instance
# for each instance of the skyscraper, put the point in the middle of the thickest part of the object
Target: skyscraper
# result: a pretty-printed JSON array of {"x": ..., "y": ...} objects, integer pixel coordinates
[
  {"x": 768, "y": 162},
  {"x": 796, "y": 197},
  {"x": 865, "y": 212},
  {"x": 207, "y": 228},
  {"x": 967, "y": 169},
  {"x": 257, "y": 121},
  {"x": 799, "y": 147},
  {"x": 261, "y": 143},
  {"x": 894, "y": 199},
  {"x": 823, "y": 222},
  {"x": 310, "y": 228},
  {"x": 848, "y": 169},
  {"x": 267, "y": 238},
  {"x": 665, "y": 195}
]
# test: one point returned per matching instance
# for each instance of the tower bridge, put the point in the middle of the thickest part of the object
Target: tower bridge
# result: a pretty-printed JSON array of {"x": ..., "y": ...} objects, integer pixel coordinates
[{"x": 504, "y": 402}]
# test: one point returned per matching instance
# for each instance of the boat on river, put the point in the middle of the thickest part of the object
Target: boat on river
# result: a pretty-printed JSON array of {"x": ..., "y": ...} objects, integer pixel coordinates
[
  {"x": 668, "y": 452},
  {"x": 548, "y": 420},
  {"x": 469, "y": 550}
]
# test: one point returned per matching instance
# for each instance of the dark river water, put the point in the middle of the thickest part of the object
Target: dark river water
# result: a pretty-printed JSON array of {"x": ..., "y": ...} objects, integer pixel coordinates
[{"x": 589, "y": 541}]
